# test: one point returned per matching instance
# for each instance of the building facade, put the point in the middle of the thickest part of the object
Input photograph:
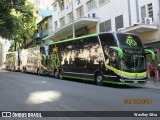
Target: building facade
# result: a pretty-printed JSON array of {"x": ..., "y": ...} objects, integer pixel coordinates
[
  {"x": 44, "y": 29},
  {"x": 141, "y": 17},
  {"x": 43, "y": 8},
  {"x": 4, "y": 47}
]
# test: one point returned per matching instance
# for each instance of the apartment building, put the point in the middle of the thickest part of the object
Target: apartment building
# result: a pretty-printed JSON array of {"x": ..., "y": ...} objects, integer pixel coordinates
[
  {"x": 141, "y": 17},
  {"x": 44, "y": 29},
  {"x": 43, "y": 8}
]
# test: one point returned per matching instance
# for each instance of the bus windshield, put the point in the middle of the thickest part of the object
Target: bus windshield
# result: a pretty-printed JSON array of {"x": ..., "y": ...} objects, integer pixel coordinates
[{"x": 133, "y": 63}]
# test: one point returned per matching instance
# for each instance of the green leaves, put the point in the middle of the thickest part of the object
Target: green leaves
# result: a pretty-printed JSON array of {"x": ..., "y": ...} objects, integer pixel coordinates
[{"x": 17, "y": 20}]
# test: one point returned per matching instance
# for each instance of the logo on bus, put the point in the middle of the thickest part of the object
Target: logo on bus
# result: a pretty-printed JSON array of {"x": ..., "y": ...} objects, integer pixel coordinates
[{"x": 130, "y": 41}]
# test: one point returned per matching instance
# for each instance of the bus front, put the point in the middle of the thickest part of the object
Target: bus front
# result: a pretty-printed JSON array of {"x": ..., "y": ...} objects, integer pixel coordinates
[{"x": 130, "y": 56}]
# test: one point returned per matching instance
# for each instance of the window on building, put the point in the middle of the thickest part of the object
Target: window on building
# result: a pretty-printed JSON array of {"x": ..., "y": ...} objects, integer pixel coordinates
[
  {"x": 70, "y": 17},
  {"x": 91, "y": 5},
  {"x": 61, "y": 5},
  {"x": 143, "y": 13},
  {"x": 62, "y": 21},
  {"x": 55, "y": 7},
  {"x": 55, "y": 25},
  {"x": 150, "y": 10},
  {"x": 119, "y": 22},
  {"x": 80, "y": 12},
  {"x": 105, "y": 26},
  {"x": 108, "y": 25},
  {"x": 102, "y": 27},
  {"x": 102, "y": 2}
]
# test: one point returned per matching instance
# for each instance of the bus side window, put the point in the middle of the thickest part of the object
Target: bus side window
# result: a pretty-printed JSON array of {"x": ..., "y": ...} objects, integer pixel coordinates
[
  {"x": 113, "y": 58},
  {"x": 108, "y": 40}
]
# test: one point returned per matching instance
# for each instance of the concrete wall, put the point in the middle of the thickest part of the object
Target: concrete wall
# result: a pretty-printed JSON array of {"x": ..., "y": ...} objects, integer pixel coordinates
[
  {"x": 111, "y": 9},
  {"x": 148, "y": 36}
]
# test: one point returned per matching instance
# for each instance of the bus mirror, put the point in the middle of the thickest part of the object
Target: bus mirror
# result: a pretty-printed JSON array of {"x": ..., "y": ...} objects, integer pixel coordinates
[
  {"x": 120, "y": 52},
  {"x": 151, "y": 52}
]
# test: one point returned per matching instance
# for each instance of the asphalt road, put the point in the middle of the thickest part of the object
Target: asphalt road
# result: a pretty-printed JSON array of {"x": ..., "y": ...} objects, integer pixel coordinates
[{"x": 29, "y": 92}]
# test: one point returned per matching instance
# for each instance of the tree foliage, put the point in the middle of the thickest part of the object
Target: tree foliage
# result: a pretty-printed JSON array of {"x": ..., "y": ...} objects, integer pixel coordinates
[{"x": 17, "y": 20}]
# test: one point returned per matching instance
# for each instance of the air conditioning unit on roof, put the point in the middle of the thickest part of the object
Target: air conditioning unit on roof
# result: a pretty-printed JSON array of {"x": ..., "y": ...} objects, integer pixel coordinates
[{"x": 148, "y": 20}]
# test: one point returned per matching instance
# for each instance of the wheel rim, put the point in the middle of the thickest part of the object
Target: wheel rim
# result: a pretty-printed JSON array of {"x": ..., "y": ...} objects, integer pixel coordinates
[
  {"x": 99, "y": 79},
  {"x": 56, "y": 74},
  {"x": 38, "y": 72},
  {"x": 60, "y": 75}
]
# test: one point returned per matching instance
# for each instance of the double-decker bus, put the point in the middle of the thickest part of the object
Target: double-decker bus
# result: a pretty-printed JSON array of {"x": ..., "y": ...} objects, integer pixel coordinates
[
  {"x": 33, "y": 59},
  {"x": 12, "y": 61},
  {"x": 117, "y": 58}
]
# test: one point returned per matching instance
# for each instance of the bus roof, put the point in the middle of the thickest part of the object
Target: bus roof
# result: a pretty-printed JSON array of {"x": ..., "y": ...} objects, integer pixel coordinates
[{"x": 91, "y": 35}]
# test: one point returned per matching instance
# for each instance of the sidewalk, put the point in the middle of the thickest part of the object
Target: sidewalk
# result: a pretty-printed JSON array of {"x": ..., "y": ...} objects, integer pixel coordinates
[{"x": 152, "y": 84}]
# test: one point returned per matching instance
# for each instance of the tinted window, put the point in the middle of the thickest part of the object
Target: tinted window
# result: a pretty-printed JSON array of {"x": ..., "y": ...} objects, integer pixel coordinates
[
  {"x": 128, "y": 40},
  {"x": 107, "y": 40}
]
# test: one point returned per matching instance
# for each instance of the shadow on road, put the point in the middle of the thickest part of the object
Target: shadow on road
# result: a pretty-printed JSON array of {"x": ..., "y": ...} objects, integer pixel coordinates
[{"x": 90, "y": 82}]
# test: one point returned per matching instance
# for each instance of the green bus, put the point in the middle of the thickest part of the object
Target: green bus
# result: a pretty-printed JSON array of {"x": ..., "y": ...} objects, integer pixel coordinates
[{"x": 111, "y": 57}]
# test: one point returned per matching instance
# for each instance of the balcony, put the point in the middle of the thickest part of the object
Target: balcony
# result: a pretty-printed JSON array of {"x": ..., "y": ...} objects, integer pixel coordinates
[
  {"x": 67, "y": 29},
  {"x": 139, "y": 28},
  {"x": 44, "y": 33}
]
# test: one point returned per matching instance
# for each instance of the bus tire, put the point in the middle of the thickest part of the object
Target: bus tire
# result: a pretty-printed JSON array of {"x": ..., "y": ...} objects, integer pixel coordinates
[
  {"x": 99, "y": 79},
  {"x": 61, "y": 74},
  {"x": 24, "y": 70},
  {"x": 56, "y": 74},
  {"x": 38, "y": 71}
]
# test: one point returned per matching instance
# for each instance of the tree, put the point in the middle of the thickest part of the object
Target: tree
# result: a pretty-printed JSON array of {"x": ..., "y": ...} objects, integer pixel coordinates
[{"x": 17, "y": 21}]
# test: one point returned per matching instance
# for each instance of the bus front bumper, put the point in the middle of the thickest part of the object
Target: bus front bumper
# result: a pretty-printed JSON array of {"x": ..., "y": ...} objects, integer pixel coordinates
[{"x": 134, "y": 81}]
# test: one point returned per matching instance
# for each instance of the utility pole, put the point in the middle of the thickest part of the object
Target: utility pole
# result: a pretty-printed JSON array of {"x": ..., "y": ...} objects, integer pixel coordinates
[{"x": 73, "y": 25}]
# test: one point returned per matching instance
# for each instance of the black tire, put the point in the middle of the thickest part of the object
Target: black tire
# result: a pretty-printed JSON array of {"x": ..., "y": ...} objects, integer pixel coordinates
[
  {"x": 99, "y": 79},
  {"x": 61, "y": 75},
  {"x": 14, "y": 69},
  {"x": 53, "y": 74},
  {"x": 56, "y": 74},
  {"x": 38, "y": 72},
  {"x": 24, "y": 70}
]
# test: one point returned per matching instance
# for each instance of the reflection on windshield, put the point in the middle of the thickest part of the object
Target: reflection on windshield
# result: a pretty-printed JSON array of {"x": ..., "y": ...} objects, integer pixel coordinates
[{"x": 133, "y": 63}]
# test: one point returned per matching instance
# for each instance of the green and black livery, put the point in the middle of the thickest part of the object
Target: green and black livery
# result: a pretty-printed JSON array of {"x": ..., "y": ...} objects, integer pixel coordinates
[{"x": 117, "y": 58}]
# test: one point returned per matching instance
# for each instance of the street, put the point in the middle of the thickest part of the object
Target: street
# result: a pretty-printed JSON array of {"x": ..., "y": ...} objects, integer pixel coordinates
[{"x": 29, "y": 92}]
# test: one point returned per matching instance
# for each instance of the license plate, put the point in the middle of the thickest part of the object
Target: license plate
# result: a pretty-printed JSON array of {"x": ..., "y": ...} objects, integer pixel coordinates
[{"x": 135, "y": 81}]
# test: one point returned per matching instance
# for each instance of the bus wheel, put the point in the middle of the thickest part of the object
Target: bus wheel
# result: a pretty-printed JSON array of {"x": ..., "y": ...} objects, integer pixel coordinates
[
  {"x": 24, "y": 70},
  {"x": 99, "y": 79},
  {"x": 56, "y": 74},
  {"x": 61, "y": 75},
  {"x": 38, "y": 72}
]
